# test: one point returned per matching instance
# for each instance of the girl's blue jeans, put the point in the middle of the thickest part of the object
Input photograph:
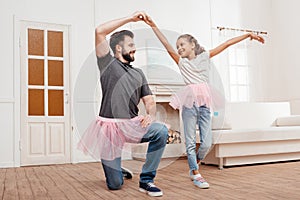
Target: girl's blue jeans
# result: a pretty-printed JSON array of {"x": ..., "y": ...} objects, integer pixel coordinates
[{"x": 191, "y": 118}]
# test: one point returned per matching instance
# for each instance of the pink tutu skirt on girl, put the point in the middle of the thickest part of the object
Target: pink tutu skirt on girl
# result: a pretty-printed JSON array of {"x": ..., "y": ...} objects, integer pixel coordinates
[
  {"x": 105, "y": 137},
  {"x": 199, "y": 94}
]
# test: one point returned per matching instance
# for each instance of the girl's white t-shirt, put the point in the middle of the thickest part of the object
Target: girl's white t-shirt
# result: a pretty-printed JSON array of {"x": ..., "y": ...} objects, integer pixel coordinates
[{"x": 196, "y": 70}]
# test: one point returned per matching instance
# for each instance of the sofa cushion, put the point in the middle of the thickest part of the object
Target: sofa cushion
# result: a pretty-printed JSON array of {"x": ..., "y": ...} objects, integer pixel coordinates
[
  {"x": 220, "y": 123},
  {"x": 255, "y": 115},
  {"x": 256, "y": 135},
  {"x": 293, "y": 120}
]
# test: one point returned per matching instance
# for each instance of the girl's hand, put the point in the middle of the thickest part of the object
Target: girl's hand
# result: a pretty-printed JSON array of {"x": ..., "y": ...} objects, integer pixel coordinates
[
  {"x": 254, "y": 36},
  {"x": 138, "y": 16},
  {"x": 147, "y": 19}
]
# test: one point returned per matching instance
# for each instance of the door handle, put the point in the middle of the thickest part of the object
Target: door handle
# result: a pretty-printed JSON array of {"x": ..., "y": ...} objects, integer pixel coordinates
[{"x": 66, "y": 98}]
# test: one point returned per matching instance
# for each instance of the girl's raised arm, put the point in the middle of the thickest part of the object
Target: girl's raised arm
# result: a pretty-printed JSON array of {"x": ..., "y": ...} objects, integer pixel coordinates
[
  {"x": 162, "y": 39},
  {"x": 232, "y": 41}
]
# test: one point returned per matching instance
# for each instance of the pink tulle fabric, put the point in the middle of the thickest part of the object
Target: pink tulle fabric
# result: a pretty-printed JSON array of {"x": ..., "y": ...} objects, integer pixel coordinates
[
  {"x": 105, "y": 137},
  {"x": 198, "y": 94}
]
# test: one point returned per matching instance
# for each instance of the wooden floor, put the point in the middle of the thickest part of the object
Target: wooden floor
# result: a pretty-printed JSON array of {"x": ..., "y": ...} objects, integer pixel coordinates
[{"x": 86, "y": 181}]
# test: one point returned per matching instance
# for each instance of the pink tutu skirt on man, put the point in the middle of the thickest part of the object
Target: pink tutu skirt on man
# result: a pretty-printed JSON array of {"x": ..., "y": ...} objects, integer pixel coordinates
[{"x": 105, "y": 137}]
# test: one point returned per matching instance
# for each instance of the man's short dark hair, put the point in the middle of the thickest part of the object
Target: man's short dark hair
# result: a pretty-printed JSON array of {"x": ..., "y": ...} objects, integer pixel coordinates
[{"x": 117, "y": 37}]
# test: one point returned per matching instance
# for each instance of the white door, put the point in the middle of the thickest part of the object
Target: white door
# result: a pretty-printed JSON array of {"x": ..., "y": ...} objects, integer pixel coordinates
[{"x": 45, "y": 114}]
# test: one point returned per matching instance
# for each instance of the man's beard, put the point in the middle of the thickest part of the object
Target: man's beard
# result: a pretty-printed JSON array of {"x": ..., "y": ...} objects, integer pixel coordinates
[{"x": 127, "y": 57}]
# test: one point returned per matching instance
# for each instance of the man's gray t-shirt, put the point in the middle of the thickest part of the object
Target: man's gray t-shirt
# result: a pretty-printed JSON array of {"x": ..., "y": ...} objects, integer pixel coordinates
[{"x": 122, "y": 88}]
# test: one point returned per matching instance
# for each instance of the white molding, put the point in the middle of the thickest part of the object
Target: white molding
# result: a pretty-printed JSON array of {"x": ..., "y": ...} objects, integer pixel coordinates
[
  {"x": 8, "y": 165},
  {"x": 7, "y": 100},
  {"x": 39, "y": 19},
  {"x": 17, "y": 92},
  {"x": 72, "y": 76}
]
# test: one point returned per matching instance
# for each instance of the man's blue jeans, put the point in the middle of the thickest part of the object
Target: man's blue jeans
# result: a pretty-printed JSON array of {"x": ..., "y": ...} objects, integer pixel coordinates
[
  {"x": 191, "y": 118},
  {"x": 157, "y": 135}
]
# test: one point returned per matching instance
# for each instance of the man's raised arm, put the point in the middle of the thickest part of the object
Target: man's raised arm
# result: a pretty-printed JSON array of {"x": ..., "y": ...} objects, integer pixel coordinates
[{"x": 102, "y": 47}]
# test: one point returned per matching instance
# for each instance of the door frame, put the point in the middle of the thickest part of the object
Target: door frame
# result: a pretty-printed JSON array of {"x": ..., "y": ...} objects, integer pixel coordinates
[{"x": 18, "y": 121}]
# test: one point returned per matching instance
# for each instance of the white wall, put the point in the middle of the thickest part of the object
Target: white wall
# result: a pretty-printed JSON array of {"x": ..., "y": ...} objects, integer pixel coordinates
[
  {"x": 276, "y": 65},
  {"x": 189, "y": 16},
  {"x": 252, "y": 15},
  {"x": 284, "y": 75},
  {"x": 75, "y": 13},
  {"x": 7, "y": 97},
  {"x": 200, "y": 18}
]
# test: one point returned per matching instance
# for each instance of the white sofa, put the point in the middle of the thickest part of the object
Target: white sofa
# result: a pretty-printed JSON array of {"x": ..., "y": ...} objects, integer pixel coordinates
[{"x": 249, "y": 133}]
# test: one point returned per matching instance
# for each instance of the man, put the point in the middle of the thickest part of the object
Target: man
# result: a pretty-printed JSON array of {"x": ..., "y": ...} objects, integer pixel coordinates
[{"x": 123, "y": 86}]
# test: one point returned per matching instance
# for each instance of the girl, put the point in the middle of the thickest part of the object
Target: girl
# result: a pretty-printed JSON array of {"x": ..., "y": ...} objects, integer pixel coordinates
[{"x": 195, "y": 98}]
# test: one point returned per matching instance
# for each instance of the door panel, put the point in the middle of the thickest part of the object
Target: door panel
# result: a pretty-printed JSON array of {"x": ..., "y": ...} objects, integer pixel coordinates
[
  {"x": 45, "y": 118},
  {"x": 56, "y": 139},
  {"x": 36, "y": 139}
]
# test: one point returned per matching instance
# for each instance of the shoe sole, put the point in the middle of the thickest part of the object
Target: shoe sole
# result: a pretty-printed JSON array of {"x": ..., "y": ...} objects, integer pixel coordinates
[
  {"x": 152, "y": 194},
  {"x": 128, "y": 172},
  {"x": 202, "y": 187}
]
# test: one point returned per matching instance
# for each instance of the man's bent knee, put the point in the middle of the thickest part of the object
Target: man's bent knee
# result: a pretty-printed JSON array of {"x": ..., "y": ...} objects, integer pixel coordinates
[
  {"x": 115, "y": 186},
  {"x": 159, "y": 129},
  {"x": 164, "y": 132}
]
